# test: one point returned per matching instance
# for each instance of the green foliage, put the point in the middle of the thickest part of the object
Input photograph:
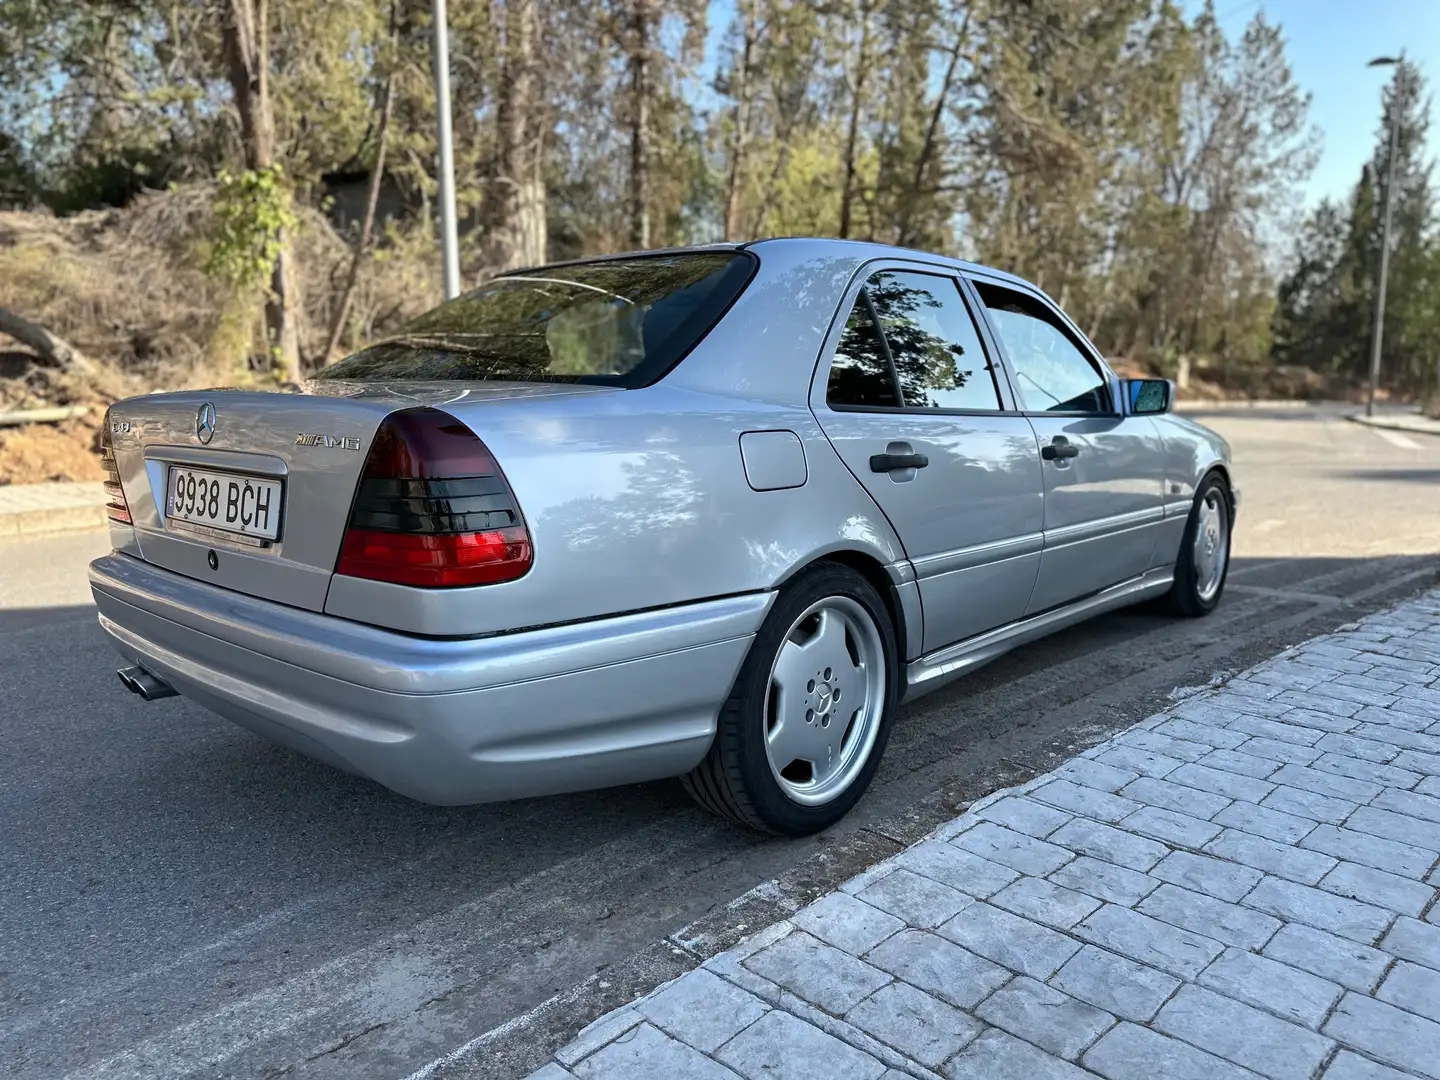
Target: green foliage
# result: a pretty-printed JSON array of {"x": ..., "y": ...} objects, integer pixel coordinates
[{"x": 252, "y": 210}]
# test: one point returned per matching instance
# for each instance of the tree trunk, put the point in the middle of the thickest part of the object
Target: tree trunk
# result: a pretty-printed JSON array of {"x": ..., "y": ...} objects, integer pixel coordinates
[
  {"x": 515, "y": 196},
  {"x": 52, "y": 350},
  {"x": 367, "y": 222},
  {"x": 857, "y": 92},
  {"x": 740, "y": 136},
  {"x": 908, "y": 233},
  {"x": 247, "y": 49},
  {"x": 640, "y": 126}
]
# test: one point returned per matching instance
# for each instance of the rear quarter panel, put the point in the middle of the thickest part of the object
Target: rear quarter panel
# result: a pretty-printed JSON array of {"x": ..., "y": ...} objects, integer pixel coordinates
[{"x": 638, "y": 499}]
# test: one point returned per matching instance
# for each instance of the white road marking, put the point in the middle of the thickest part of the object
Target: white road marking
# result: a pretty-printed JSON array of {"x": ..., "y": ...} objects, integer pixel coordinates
[{"x": 1394, "y": 438}]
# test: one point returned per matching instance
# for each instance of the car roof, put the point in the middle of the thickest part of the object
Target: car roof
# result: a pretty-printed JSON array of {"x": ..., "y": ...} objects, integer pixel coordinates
[{"x": 864, "y": 250}]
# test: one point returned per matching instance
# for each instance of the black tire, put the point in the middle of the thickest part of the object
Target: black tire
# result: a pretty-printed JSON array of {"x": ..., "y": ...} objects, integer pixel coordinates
[
  {"x": 735, "y": 780},
  {"x": 1185, "y": 596}
]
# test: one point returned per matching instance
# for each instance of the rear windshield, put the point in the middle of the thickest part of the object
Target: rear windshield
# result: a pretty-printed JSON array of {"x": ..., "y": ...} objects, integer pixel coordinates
[{"x": 621, "y": 322}]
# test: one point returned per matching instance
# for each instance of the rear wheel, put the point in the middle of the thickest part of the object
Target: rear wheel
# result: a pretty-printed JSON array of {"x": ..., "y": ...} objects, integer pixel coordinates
[
  {"x": 1204, "y": 558},
  {"x": 802, "y": 733}
]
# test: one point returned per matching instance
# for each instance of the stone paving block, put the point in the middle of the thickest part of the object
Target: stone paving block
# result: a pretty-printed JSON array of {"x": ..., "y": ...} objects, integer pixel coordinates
[
  {"x": 1044, "y": 1016},
  {"x": 1362, "y": 769},
  {"x": 1013, "y": 849},
  {"x": 1228, "y": 923},
  {"x": 1428, "y": 765},
  {"x": 998, "y": 1056},
  {"x": 1104, "y": 881},
  {"x": 702, "y": 1009},
  {"x": 1128, "y": 1052},
  {"x": 1393, "y": 718},
  {"x": 1204, "y": 874},
  {"x": 1231, "y": 785},
  {"x": 1248, "y": 693},
  {"x": 779, "y": 1046},
  {"x": 1181, "y": 727},
  {"x": 1289, "y": 675},
  {"x": 920, "y": 901},
  {"x": 1424, "y": 807},
  {"x": 1045, "y": 902},
  {"x": 1277, "y": 729},
  {"x": 1270, "y": 985},
  {"x": 1265, "y": 821},
  {"x": 1354, "y": 966},
  {"x": 1396, "y": 664},
  {"x": 1411, "y": 939},
  {"x": 1347, "y": 691},
  {"x": 1387, "y": 1034},
  {"x": 1322, "y": 910},
  {"x": 1371, "y": 886},
  {"x": 1351, "y": 1066},
  {"x": 1402, "y": 828},
  {"x": 918, "y": 1025},
  {"x": 841, "y": 920},
  {"x": 960, "y": 869},
  {"x": 1178, "y": 797},
  {"x": 1019, "y": 944},
  {"x": 1024, "y": 814},
  {"x": 1115, "y": 984},
  {"x": 1310, "y": 804},
  {"x": 597, "y": 1033},
  {"x": 1113, "y": 845},
  {"x": 1426, "y": 741},
  {"x": 940, "y": 967},
  {"x": 646, "y": 1053},
  {"x": 1323, "y": 721},
  {"x": 1149, "y": 940},
  {"x": 1237, "y": 761},
  {"x": 1088, "y": 801},
  {"x": 1138, "y": 759},
  {"x": 1326, "y": 783},
  {"x": 1160, "y": 743},
  {"x": 1284, "y": 752},
  {"x": 1243, "y": 1035},
  {"x": 1377, "y": 682},
  {"x": 551, "y": 1072},
  {"x": 1371, "y": 850},
  {"x": 1171, "y": 827},
  {"x": 1313, "y": 702},
  {"x": 818, "y": 973},
  {"x": 1357, "y": 747},
  {"x": 1296, "y": 864},
  {"x": 1414, "y": 988},
  {"x": 1090, "y": 773}
]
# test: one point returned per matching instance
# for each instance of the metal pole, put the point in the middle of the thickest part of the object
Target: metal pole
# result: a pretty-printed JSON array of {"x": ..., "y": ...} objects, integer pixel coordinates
[
  {"x": 1378, "y": 337},
  {"x": 449, "y": 240}
]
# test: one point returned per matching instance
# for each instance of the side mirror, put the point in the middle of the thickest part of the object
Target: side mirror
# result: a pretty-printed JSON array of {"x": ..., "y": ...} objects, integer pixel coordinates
[{"x": 1146, "y": 397}]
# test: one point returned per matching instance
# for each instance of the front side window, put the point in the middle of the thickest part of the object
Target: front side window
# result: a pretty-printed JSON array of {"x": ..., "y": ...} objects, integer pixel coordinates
[
  {"x": 926, "y": 340},
  {"x": 617, "y": 322},
  {"x": 1052, "y": 373}
]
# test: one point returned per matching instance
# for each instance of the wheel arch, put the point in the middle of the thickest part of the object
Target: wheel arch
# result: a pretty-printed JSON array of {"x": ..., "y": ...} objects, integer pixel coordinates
[{"x": 902, "y": 600}]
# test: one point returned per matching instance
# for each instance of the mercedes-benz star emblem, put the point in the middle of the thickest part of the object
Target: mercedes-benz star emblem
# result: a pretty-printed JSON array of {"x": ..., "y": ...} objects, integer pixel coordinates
[{"x": 205, "y": 423}]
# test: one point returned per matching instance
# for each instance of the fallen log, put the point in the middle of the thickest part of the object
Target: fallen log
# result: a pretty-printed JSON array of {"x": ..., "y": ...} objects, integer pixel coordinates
[
  {"x": 53, "y": 350},
  {"x": 51, "y": 415}
]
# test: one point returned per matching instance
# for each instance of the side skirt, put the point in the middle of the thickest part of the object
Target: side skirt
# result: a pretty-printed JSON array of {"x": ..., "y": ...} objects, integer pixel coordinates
[{"x": 944, "y": 665}]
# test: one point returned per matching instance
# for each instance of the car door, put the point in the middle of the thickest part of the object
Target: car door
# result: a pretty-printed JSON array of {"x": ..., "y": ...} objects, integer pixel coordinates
[
  {"x": 1103, "y": 470},
  {"x": 911, "y": 401}
]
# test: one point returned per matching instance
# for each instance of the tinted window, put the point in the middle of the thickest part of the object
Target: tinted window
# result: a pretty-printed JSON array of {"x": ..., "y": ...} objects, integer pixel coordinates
[
  {"x": 933, "y": 341},
  {"x": 620, "y": 322},
  {"x": 1052, "y": 374},
  {"x": 860, "y": 373}
]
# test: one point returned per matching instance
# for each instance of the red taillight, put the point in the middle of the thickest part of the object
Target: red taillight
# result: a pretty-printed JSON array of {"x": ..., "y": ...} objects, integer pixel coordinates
[
  {"x": 116, "y": 508},
  {"x": 433, "y": 509}
]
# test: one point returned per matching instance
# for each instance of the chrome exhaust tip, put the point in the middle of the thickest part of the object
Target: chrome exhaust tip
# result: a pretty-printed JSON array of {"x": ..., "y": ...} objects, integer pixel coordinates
[{"x": 149, "y": 687}]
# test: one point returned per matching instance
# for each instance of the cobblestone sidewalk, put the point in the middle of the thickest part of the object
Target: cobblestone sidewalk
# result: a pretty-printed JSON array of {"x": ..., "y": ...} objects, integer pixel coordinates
[
  {"x": 1242, "y": 886},
  {"x": 26, "y": 509}
]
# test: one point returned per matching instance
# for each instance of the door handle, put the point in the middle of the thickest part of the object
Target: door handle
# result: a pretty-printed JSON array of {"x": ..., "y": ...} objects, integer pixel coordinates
[
  {"x": 892, "y": 462},
  {"x": 1059, "y": 449}
]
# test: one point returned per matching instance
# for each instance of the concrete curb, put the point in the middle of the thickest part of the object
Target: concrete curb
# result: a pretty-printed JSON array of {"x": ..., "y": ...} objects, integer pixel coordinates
[
  {"x": 35, "y": 509},
  {"x": 1415, "y": 425}
]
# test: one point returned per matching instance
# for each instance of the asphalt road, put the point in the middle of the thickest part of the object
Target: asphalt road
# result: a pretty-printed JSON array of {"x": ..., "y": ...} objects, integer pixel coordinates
[{"x": 180, "y": 898}]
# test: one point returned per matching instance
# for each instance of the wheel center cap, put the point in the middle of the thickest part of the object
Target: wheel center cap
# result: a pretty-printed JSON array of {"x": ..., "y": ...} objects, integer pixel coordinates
[{"x": 823, "y": 694}]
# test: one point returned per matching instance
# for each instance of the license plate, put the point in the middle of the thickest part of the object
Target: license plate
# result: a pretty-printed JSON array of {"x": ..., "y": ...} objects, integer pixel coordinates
[{"x": 201, "y": 500}]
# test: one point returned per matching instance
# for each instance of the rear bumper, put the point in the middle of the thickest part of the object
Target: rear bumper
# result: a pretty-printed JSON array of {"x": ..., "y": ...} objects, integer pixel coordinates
[{"x": 586, "y": 705}]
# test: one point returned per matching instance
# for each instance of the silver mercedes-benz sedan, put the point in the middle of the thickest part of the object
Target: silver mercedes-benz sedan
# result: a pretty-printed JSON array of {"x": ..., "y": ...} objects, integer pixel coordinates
[{"x": 711, "y": 513}]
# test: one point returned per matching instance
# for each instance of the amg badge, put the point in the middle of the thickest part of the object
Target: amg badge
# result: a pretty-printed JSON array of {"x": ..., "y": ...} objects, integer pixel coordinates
[{"x": 343, "y": 442}]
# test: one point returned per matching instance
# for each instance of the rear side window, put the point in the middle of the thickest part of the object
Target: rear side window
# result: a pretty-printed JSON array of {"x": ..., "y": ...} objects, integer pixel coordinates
[
  {"x": 620, "y": 322},
  {"x": 926, "y": 355}
]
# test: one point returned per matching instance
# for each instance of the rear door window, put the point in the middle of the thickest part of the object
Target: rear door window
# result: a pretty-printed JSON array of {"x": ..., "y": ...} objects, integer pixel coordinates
[{"x": 616, "y": 322}]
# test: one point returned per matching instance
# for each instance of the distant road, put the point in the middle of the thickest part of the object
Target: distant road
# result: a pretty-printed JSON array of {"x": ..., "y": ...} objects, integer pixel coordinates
[{"x": 180, "y": 898}]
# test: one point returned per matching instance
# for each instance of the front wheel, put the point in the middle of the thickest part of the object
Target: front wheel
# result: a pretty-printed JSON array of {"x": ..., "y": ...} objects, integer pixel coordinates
[
  {"x": 802, "y": 733},
  {"x": 1204, "y": 558}
]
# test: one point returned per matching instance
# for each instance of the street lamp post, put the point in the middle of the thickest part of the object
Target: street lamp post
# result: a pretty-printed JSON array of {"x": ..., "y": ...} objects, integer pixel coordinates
[
  {"x": 1377, "y": 338},
  {"x": 449, "y": 241}
]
